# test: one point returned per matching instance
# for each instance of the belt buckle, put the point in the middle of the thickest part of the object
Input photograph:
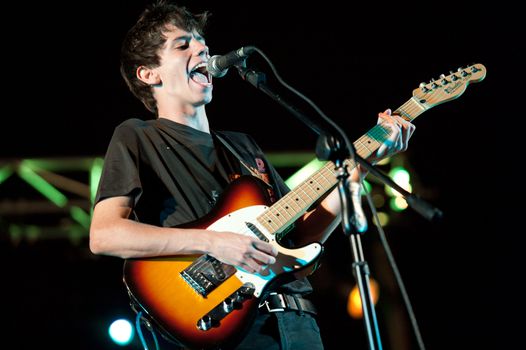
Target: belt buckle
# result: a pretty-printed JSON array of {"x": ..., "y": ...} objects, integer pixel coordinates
[{"x": 281, "y": 299}]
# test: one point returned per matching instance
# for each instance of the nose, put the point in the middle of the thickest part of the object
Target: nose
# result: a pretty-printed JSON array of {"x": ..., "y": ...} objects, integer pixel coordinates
[{"x": 202, "y": 49}]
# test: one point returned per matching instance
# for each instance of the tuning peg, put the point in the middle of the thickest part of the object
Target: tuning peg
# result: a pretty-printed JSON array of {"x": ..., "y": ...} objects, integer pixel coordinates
[
  {"x": 423, "y": 87},
  {"x": 442, "y": 76}
]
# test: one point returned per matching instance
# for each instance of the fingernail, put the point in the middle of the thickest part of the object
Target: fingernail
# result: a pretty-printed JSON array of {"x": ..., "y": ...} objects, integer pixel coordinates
[{"x": 388, "y": 111}]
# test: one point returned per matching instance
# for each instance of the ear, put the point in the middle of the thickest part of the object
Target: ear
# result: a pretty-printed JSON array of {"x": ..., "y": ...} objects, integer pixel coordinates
[{"x": 148, "y": 75}]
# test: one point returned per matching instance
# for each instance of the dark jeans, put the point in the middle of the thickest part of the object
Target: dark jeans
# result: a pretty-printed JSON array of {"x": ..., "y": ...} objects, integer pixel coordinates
[
  {"x": 286, "y": 330},
  {"x": 283, "y": 331}
]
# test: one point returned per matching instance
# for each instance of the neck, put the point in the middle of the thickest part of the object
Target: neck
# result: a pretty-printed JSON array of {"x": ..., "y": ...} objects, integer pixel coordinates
[{"x": 192, "y": 116}]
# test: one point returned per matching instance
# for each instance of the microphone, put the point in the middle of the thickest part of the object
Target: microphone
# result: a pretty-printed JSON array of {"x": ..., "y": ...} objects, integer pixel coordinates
[{"x": 218, "y": 65}]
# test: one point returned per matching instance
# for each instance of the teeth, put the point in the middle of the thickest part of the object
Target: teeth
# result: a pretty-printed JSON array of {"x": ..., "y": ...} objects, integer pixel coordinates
[{"x": 202, "y": 64}]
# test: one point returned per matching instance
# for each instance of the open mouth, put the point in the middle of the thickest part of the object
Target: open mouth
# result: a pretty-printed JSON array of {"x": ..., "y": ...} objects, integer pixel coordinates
[{"x": 200, "y": 75}]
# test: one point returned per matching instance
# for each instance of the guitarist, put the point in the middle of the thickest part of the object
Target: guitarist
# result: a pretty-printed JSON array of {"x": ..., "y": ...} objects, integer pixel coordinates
[{"x": 170, "y": 170}]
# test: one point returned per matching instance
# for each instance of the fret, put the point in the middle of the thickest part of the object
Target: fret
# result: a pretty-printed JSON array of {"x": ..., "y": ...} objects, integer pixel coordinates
[
  {"x": 284, "y": 210},
  {"x": 269, "y": 223},
  {"x": 295, "y": 203},
  {"x": 372, "y": 146},
  {"x": 298, "y": 200},
  {"x": 276, "y": 215},
  {"x": 403, "y": 113},
  {"x": 411, "y": 109},
  {"x": 360, "y": 144}
]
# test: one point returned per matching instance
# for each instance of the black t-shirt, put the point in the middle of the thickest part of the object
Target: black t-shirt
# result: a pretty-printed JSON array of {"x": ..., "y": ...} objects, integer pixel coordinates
[{"x": 175, "y": 173}]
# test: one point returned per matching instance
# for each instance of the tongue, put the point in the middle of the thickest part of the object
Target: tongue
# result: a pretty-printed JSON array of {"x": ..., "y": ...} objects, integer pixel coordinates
[{"x": 199, "y": 78}]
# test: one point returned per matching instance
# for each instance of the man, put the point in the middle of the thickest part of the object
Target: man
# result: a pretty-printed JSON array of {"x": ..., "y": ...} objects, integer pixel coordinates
[{"x": 159, "y": 174}]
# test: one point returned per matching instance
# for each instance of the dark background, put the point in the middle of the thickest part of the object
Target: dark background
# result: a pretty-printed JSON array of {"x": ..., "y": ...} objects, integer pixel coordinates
[{"x": 64, "y": 96}]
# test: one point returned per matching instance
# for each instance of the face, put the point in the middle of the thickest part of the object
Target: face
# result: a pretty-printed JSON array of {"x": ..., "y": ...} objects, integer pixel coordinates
[{"x": 182, "y": 72}]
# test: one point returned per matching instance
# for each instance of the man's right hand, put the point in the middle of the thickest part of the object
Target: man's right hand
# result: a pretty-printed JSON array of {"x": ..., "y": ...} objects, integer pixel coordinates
[{"x": 248, "y": 253}]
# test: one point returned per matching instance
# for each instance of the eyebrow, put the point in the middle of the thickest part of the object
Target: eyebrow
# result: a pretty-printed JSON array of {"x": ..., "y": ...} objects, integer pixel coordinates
[
  {"x": 180, "y": 38},
  {"x": 186, "y": 37}
]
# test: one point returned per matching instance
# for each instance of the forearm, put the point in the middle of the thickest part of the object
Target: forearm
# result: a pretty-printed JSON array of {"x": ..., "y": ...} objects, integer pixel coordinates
[
  {"x": 318, "y": 224},
  {"x": 113, "y": 233},
  {"x": 130, "y": 239}
]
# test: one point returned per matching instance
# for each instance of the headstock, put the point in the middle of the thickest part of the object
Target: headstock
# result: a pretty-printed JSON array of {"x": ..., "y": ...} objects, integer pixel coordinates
[{"x": 447, "y": 88}]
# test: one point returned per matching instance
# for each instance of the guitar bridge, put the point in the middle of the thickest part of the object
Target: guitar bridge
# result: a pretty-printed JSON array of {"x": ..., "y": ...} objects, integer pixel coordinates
[{"x": 206, "y": 273}]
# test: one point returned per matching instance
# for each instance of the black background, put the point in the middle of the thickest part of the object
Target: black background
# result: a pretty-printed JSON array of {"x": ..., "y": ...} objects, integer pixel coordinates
[{"x": 64, "y": 95}]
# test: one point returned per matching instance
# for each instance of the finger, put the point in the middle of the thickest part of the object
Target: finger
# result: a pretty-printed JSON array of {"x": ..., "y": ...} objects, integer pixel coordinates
[
  {"x": 393, "y": 143},
  {"x": 381, "y": 150},
  {"x": 262, "y": 258},
  {"x": 406, "y": 136},
  {"x": 249, "y": 265},
  {"x": 399, "y": 142},
  {"x": 407, "y": 130},
  {"x": 412, "y": 128},
  {"x": 265, "y": 247},
  {"x": 384, "y": 118},
  {"x": 263, "y": 252}
]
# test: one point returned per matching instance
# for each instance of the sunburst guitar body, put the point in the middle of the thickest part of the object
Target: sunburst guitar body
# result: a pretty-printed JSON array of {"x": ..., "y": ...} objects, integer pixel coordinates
[{"x": 205, "y": 304}]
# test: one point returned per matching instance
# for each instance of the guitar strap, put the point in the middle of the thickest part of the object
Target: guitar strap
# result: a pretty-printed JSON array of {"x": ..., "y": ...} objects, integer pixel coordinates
[{"x": 236, "y": 154}]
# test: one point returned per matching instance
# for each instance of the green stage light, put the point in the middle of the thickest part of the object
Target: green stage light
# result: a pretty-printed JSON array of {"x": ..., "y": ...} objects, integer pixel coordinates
[
  {"x": 302, "y": 174},
  {"x": 401, "y": 176},
  {"x": 95, "y": 173},
  {"x": 41, "y": 185},
  {"x": 5, "y": 172},
  {"x": 80, "y": 216}
]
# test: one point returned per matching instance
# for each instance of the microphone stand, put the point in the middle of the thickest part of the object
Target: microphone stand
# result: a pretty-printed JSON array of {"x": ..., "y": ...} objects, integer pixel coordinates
[
  {"x": 326, "y": 146},
  {"x": 330, "y": 147}
]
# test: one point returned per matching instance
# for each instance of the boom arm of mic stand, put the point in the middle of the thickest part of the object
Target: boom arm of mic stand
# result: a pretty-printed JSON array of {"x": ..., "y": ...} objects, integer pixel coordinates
[
  {"x": 414, "y": 201},
  {"x": 359, "y": 266},
  {"x": 425, "y": 209},
  {"x": 259, "y": 80}
]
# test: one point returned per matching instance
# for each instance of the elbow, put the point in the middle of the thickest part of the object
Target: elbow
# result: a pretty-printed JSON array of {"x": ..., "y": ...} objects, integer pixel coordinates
[
  {"x": 96, "y": 243},
  {"x": 101, "y": 240}
]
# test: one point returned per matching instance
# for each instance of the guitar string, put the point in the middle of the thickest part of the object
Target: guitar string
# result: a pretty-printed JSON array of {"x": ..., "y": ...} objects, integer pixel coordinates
[{"x": 408, "y": 108}]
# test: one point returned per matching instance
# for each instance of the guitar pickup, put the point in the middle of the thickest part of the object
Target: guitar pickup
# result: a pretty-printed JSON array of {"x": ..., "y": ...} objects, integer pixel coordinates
[{"x": 256, "y": 231}]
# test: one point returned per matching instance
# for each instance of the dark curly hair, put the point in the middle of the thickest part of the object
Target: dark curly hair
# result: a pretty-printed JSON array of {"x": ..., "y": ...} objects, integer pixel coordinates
[{"x": 144, "y": 40}]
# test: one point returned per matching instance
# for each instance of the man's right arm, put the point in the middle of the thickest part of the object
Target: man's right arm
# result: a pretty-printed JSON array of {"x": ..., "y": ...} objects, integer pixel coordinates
[{"x": 113, "y": 233}]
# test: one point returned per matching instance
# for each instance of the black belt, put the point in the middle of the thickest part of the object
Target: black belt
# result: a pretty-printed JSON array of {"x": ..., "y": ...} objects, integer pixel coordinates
[{"x": 282, "y": 302}]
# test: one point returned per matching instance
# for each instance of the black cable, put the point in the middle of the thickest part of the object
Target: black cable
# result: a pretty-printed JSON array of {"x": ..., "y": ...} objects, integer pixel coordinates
[{"x": 381, "y": 233}]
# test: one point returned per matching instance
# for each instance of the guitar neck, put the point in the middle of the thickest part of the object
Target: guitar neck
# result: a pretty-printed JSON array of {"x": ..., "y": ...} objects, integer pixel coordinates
[{"x": 295, "y": 203}]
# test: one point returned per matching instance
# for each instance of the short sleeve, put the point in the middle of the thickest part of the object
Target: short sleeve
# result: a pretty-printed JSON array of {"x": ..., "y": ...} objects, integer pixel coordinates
[{"x": 120, "y": 173}]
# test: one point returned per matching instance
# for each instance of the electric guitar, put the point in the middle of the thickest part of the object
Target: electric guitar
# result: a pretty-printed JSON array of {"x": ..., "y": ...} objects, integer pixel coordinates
[{"x": 204, "y": 303}]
